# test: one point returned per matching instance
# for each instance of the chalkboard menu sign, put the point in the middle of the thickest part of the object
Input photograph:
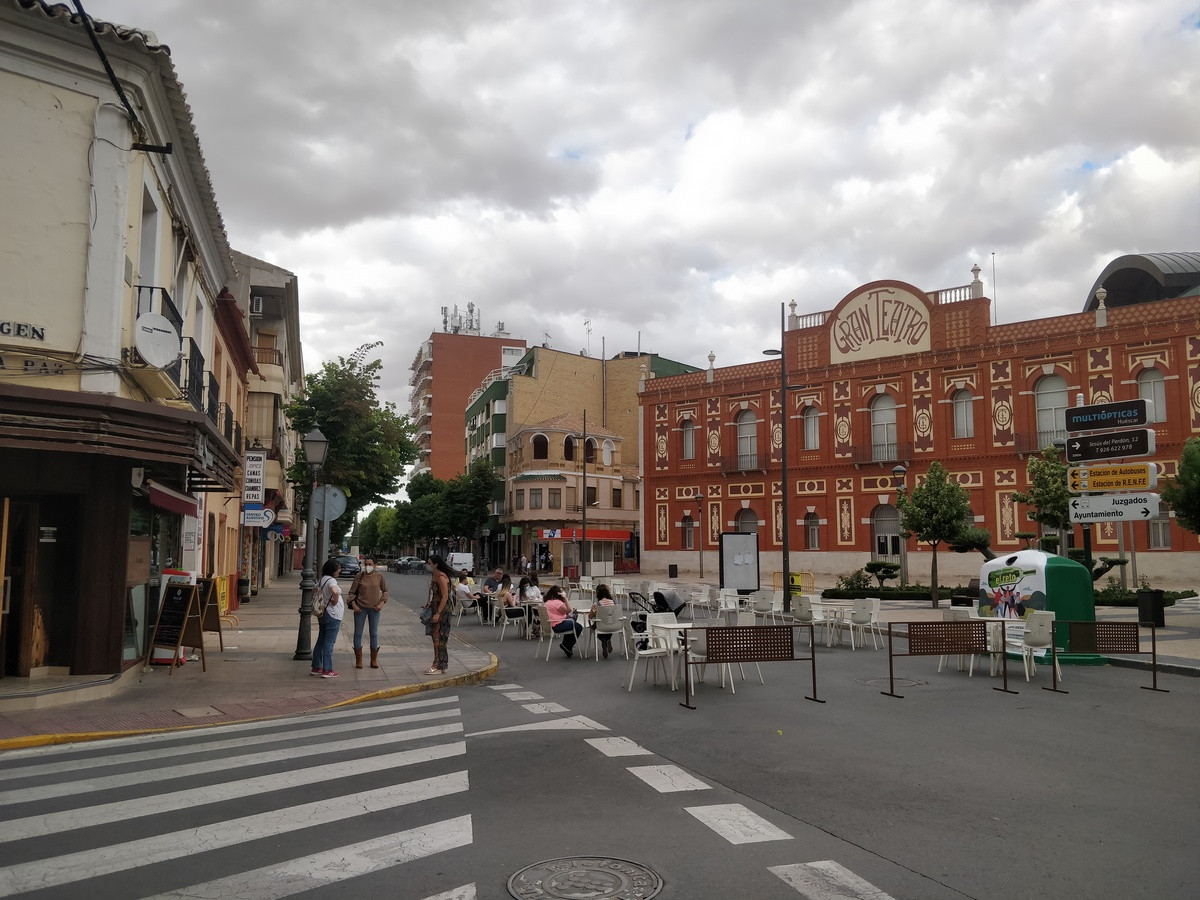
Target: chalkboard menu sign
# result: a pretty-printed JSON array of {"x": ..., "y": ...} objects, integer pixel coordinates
[
  {"x": 178, "y": 622},
  {"x": 208, "y": 609}
]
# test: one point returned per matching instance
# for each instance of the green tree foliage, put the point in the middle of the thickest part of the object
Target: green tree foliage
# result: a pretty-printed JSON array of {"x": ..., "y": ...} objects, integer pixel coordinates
[
  {"x": 882, "y": 570},
  {"x": 936, "y": 511},
  {"x": 979, "y": 539},
  {"x": 1183, "y": 491},
  {"x": 448, "y": 510},
  {"x": 375, "y": 534},
  {"x": 369, "y": 443},
  {"x": 1048, "y": 496}
]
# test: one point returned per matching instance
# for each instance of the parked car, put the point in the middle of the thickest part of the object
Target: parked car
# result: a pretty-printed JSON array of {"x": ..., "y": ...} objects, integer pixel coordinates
[
  {"x": 408, "y": 564},
  {"x": 350, "y": 566}
]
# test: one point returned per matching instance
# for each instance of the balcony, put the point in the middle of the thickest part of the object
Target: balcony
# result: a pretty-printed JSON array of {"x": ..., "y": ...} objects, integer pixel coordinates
[
  {"x": 268, "y": 356},
  {"x": 882, "y": 452},
  {"x": 230, "y": 427},
  {"x": 212, "y": 406},
  {"x": 152, "y": 299},
  {"x": 1034, "y": 442},
  {"x": 746, "y": 462}
]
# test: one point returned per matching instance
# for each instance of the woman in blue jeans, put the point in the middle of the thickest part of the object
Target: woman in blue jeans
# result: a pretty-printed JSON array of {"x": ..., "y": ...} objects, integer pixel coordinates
[
  {"x": 329, "y": 622},
  {"x": 562, "y": 619}
]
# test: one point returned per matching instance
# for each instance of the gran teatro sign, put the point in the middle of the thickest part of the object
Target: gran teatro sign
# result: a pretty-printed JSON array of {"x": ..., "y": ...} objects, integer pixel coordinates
[{"x": 880, "y": 320}]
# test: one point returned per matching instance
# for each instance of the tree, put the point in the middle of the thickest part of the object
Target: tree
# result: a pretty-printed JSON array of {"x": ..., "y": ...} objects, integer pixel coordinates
[
  {"x": 369, "y": 443},
  {"x": 882, "y": 570},
  {"x": 937, "y": 511},
  {"x": 1183, "y": 491},
  {"x": 1048, "y": 495},
  {"x": 979, "y": 539}
]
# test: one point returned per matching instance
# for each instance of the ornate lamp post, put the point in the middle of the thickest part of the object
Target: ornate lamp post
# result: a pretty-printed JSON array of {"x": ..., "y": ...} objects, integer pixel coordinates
[
  {"x": 899, "y": 471},
  {"x": 783, "y": 469},
  {"x": 700, "y": 529},
  {"x": 316, "y": 446}
]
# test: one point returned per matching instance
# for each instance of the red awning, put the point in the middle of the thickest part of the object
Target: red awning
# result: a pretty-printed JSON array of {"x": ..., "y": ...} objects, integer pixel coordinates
[{"x": 165, "y": 498}]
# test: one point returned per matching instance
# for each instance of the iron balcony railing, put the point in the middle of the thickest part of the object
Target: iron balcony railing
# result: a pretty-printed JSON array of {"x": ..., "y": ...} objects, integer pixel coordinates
[
  {"x": 158, "y": 300},
  {"x": 213, "y": 404},
  {"x": 881, "y": 452},
  {"x": 192, "y": 384}
]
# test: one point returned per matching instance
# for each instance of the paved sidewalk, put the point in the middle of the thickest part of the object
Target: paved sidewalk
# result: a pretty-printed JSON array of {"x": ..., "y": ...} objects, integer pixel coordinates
[{"x": 255, "y": 677}]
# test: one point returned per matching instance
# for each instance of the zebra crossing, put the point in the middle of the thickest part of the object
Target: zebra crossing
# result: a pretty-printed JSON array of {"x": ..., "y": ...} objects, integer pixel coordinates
[{"x": 242, "y": 811}]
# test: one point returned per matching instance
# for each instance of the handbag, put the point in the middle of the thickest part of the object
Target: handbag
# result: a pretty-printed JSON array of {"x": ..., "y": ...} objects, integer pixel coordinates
[{"x": 426, "y": 615}]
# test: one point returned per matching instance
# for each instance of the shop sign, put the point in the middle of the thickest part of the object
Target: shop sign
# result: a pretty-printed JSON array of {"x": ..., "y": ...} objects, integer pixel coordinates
[{"x": 254, "y": 475}]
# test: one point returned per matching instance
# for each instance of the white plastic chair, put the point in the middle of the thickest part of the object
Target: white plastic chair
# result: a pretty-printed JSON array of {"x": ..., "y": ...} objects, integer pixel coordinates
[
  {"x": 656, "y": 649},
  {"x": 957, "y": 615},
  {"x": 608, "y": 621},
  {"x": 762, "y": 605},
  {"x": 1039, "y": 635},
  {"x": 512, "y": 615},
  {"x": 806, "y": 612},
  {"x": 546, "y": 633}
]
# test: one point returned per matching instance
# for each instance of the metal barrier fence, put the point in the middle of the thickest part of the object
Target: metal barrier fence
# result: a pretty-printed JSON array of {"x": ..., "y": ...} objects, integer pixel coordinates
[
  {"x": 945, "y": 639},
  {"x": 1105, "y": 637},
  {"x": 750, "y": 643}
]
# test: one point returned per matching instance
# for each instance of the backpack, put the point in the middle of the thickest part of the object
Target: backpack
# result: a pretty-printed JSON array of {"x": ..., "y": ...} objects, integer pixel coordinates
[{"x": 320, "y": 601}]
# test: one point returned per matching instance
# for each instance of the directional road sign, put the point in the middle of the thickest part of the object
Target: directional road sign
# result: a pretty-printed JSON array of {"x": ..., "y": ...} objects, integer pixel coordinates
[
  {"x": 1114, "y": 508},
  {"x": 1119, "y": 477},
  {"x": 1111, "y": 445},
  {"x": 1107, "y": 415}
]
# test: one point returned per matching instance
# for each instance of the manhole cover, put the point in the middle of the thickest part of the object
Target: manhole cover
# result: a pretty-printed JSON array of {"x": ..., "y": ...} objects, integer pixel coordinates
[
  {"x": 884, "y": 682},
  {"x": 586, "y": 878}
]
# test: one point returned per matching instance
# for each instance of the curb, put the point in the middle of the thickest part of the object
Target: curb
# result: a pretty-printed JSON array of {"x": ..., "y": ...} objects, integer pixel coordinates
[
  {"x": 1163, "y": 668},
  {"x": 80, "y": 737}
]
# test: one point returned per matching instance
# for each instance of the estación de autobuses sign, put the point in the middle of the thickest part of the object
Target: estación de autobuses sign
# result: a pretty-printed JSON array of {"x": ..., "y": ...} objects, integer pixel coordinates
[{"x": 881, "y": 320}]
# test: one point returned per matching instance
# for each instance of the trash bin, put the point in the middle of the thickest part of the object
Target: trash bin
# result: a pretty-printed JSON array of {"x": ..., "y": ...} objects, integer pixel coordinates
[
  {"x": 1150, "y": 608},
  {"x": 243, "y": 589},
  {"x": 672, "y": 571}
]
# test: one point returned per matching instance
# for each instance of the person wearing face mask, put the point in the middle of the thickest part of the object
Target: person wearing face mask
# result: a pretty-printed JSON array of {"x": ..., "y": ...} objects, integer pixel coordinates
[{"x": 368, "y": 593}]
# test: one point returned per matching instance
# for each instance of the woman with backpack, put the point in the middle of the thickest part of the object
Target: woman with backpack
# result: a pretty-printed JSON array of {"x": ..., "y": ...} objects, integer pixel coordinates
[{"x": 329, "y": 621}]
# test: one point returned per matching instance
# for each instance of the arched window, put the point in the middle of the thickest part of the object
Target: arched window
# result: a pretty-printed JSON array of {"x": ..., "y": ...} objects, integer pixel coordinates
[
  {"x": 689, "y": 533},
  {"x": 883, "y": 427},
  {"x": 589, "y": 451},
  {"x": 687, "y": 433},
  {"x": 746, "y": 521},
  {"x": 747, "y": 440},
  {"x": 812, "y": 532},
  {"x": 541, "y": 447},
  {"x": 1050, "y": 398},
  {"x": 569, "y": 448},
  {"x": 885, "y": 526},
  {"x": 812, "y": 433},
  {"x": 1152, "y": 389},
  {"x": 606, "y": 452},
  {"x": 964, "y": 414}
]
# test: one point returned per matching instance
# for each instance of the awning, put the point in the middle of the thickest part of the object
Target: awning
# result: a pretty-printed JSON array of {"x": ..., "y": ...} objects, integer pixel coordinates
[
  {"x": 541, "y": 476},
  {"x": 166, "y": 498}
]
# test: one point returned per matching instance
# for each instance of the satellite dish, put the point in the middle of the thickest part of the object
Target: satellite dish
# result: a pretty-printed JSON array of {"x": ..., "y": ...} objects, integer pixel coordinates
[{"x": 156, "y": 340}]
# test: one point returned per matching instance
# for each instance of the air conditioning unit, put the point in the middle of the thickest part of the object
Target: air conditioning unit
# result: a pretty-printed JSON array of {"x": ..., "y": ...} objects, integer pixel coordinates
[{"x": 256, "y": 306}]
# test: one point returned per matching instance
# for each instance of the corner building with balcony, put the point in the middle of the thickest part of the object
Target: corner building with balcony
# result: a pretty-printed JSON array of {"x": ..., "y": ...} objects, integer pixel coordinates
[
  {"x": 894, "y": 378},
  {"x": 124, "y": 359}
]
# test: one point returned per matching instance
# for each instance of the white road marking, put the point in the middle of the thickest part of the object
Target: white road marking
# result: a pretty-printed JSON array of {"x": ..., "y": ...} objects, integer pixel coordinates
[
  {"x": 505, "y": 687},
  {"x": 125, "y": 810},
  {"x": 737, "y": 824},
  {"x": 85, "y": 864},
  {"x": 669, "y": 779},
  {"x": 208, "y": 767},
  {"x": 466, "y": 892},
  {"x": 332, "y": 866},
  {"x": 282, "y": 728},
  {"x": 93, "y": 762},
  {"x": 618, "y": 746},
  {"x": 540, "y": 709},
  {"x": 571, "y": 722},
  {"x": 828, "y": 880},
  {"x": 524, "y": 695}
]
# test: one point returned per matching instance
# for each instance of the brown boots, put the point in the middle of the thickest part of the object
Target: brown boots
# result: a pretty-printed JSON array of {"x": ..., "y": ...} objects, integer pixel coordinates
[
  {"x": 374, "y": 657},
  {"x": 358, "y": 657}
]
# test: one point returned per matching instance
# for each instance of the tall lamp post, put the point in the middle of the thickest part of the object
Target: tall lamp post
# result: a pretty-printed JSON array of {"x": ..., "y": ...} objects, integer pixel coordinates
[
  {"x": 783, "y": 447},
  {"x": 899, "y": 471},
  {"x": 316, "y": 446},
  {"x": 583, "y": 547},
  {"x": 700, "y": 529}
]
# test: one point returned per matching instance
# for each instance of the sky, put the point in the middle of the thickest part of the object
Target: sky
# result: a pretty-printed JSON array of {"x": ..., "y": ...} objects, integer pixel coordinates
[{"x": 620, "y": 174}]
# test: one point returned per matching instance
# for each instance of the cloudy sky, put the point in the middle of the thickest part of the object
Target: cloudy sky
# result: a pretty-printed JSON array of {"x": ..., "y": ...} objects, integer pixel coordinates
[{"x": 674, "y": 169}]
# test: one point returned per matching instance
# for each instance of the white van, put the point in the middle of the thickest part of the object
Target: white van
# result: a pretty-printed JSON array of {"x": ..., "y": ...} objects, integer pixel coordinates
[{"x": 460, "y": 561}]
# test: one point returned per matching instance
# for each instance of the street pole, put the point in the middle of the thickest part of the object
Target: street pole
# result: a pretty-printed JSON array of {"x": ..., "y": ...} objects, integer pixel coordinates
[
  {"x": 315, "y": 447},
  {"x": 898, "y": 472},
  {"x": 700, "y": 530},
  {"x": 583, "y": 548},
  {"x": 783, "y": 449}
]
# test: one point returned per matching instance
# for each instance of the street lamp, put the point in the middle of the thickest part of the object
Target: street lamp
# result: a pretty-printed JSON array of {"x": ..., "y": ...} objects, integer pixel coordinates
[
  {"x": 316, "y": 446},
  {"x": 699, "y": 529},
  {"x": 783, "y": 469},
  {"x": 898, "y": 472}
]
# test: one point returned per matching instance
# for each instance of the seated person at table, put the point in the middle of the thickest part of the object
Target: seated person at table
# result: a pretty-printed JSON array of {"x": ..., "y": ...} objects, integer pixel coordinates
[
  {"x": 562, "y": 619},
  {"x": 464, "y": 591},
  {"x": 491, "y": 584},
  {"x": 508, "y": 601},
  {"x": 604, "y": 597},
  {"x": 528, "y": 590}
]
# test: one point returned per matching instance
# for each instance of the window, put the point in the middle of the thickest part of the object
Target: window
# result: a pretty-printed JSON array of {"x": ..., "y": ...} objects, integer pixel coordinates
[
  {"x": 746, "y": 521},
  {"x": 535, "y": 498},
  {"x": 589, "y": 451},
  {"x": 606, "y": 453},
  {"x": 590, "y": 494},
  {"x": 555, "y": 498},
  {"x": 812, "y": 532},
  {"x": 541, "y": 447},
  {"x": 1152, "y": 389},
  {"x": 521, "y": 498},
  {"x": 964, "y": 418},
  {"x": 747, "y": 441},
  {"x": 616, "y": 500},
  {"x": 689, "y": 533},
  {"x": 812, "y": 432},
  {"x": 883, "y": 427},
  {"x": 1050, "y": 399},
  {"x": 687, "y": 432},
  {"x": 1160, "y": 530},
  {"x": 569, "y": 448}
]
